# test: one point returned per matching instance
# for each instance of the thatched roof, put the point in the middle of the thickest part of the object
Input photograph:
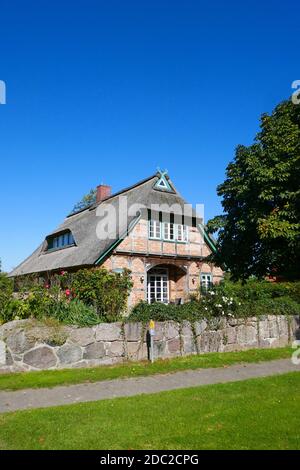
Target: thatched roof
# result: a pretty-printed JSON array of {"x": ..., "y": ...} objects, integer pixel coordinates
[{"x": 88, "y": 247}]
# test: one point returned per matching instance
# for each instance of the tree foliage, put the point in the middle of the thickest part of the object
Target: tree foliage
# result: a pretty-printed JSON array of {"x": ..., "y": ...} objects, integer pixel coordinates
[
  {"x": 259, "y": 233},
  {"x": 86, "y": 201}
]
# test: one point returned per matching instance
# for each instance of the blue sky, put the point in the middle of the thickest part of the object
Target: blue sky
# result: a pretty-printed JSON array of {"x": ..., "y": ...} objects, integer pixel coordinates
[{"x": 103, "y": 91}]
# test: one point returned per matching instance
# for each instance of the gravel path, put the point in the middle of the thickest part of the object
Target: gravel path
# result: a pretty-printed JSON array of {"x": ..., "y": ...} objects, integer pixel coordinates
[{"x": 64, "y": 395}]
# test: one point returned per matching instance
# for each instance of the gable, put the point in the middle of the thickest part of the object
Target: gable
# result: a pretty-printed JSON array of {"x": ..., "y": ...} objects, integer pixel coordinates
[{"x": 162, "y": 184}]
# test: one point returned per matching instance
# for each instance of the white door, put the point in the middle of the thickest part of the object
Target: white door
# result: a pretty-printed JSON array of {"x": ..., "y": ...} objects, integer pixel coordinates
[{"x": 158, "y": 290}]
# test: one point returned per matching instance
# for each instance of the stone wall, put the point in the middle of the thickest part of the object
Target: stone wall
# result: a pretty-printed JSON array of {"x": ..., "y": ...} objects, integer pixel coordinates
[{"x": 30, "y": 345}]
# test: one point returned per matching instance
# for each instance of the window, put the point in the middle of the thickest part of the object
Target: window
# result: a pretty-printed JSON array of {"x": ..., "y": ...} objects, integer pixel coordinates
[
  {"x": 206, "y": 281},
  {"x": 154, "y": 229},
  {"x": 182, "y": 233},
  {"x": 158, "y": 290},
  {"x": 168, "y": 231},
  {"x": 60, "y": 241}
]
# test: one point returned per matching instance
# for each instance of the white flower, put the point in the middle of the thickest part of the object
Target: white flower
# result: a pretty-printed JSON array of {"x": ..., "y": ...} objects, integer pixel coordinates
[
  {"x": 219, "y": 305},
  {"x": 205, "y": 308}
]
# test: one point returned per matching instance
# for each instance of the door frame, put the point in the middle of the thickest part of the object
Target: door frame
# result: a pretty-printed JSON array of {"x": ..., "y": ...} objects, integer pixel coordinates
[{"x": 164, "y": 274}]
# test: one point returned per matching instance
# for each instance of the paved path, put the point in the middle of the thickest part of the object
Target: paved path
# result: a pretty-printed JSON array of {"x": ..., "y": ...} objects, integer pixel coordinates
[{"x": 63, "y": 395}]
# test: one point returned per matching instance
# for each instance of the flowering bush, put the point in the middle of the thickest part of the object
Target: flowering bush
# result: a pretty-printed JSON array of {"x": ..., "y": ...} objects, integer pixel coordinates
[
  {"x": 85, "y": 298},
  {"x": 107, "y": 292},
  {"x": 216, "y": 304}
]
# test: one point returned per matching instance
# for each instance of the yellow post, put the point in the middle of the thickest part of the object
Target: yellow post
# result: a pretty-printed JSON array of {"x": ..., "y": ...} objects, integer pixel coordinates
[{"x": 152, "y": 333}]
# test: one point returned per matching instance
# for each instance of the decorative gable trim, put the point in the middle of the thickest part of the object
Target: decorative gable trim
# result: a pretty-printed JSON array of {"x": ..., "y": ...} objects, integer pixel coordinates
[
  {"x": 162, "y": 184},
  {"x": 208, "y": 240}
]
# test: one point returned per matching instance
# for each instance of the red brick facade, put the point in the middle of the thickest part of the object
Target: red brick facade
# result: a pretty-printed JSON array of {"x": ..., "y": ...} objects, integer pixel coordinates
[{"x": 184, "y": 262}]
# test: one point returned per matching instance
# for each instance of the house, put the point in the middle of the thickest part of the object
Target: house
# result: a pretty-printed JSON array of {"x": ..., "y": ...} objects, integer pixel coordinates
[{"x": 147, "y": 228}]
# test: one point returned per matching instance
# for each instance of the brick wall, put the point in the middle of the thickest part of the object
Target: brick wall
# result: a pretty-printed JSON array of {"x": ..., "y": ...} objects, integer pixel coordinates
[{"x": 139, "y": 254}]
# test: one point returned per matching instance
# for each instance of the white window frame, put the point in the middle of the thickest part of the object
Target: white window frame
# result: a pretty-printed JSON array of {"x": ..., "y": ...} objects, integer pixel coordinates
[
  {"x": 164, "y": 281},
  {"x": 184, "y": 232},
  {"x": 165, "y": 231},
  {"x": 153, "y": 226},
  {"x": 206, "y": 280}
]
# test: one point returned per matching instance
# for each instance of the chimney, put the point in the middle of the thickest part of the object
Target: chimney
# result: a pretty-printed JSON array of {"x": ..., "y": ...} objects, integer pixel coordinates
[{"x": 103, "y": 192}]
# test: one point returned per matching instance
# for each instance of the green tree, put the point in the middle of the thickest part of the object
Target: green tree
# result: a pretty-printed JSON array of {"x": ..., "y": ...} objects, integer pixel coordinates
[
  {"x": 259, "y": 232},
  {"x": 86, "y": 201},
  {"x": 6, "y": 290}
]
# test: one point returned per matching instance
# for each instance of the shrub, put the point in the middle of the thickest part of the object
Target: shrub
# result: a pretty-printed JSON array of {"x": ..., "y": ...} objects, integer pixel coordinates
[
  {"x": 256, "y": 290},
  {"x": 41, "y": 302},
  {"x": 276, "y": 306},
  {"x": 144, "y": 312},
  {"x": 106, "y": 292},
  {"x": 217, "y": 304},
  {"x": 75, "y": 312},
  {"x": 6, "y": 290},
  {"x": 15, "y": 309}
]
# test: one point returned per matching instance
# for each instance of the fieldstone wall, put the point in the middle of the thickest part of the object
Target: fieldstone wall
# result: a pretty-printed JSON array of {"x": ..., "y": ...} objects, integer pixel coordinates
[{"x": 30, "y": 345}]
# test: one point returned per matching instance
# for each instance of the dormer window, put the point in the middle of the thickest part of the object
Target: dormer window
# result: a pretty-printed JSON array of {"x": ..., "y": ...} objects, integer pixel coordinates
[{"x": 62, "y": 240}]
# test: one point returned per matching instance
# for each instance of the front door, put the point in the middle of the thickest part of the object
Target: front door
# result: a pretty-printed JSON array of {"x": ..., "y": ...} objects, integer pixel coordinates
[{"x": 158, "y": 290}]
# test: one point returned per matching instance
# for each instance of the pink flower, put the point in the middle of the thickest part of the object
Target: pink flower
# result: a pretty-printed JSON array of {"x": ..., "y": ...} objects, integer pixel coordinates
[
  {"x": 47, "y": 286},
  {"x": 62, "y": 273},
  {"x": 68, "y": 292}
]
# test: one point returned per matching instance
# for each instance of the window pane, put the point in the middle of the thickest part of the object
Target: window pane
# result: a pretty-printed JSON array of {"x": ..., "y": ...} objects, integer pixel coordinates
[
  {"x": 157, "y": 229},
  {"x": 185, "y": 233},
  {"x": 151, "y": 229},
  {"x": 179, "y": 232},
  {"x": 182, "y": 233},
  {"x": 206, "y": 281},
  {"x": 166, "y": 231},
  {"x": 169, "y": 233},
  {"x": 70, "y": 239},
  {"x": 154, "y": 229},
  {"x": 172, "y": 237}
]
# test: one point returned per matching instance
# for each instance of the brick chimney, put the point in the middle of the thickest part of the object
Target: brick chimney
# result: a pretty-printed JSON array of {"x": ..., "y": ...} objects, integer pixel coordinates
[{"x": 103, "y": 192}]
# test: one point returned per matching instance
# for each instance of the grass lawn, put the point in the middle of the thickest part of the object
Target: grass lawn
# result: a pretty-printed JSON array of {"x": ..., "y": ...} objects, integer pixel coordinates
[
  {"x": 51, "y": 378},
  {"x": 254, "y": 414}
]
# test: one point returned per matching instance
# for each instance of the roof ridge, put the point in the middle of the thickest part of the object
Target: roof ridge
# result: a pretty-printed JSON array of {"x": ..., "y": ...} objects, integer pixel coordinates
[{"x": 128, "y": 188}]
